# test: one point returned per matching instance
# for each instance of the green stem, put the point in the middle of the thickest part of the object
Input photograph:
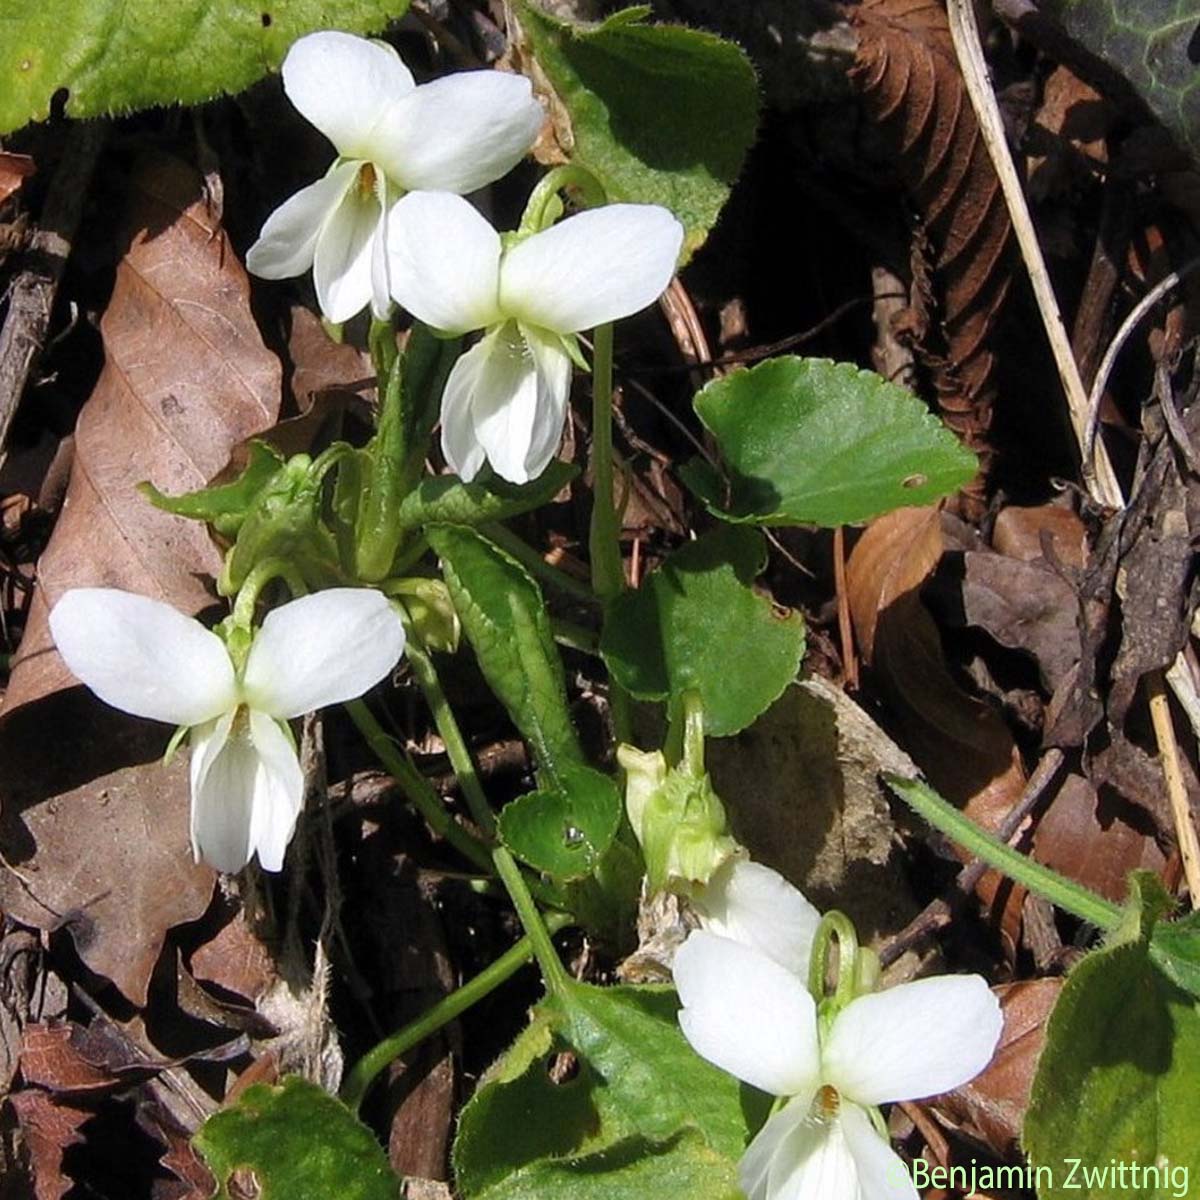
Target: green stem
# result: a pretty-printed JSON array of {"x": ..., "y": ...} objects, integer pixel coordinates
[
  {"x": 447, "y": 726},
  {"x": 381, "y": 342},
  {"x": 604, "y": 540},
  {"x": 416, "y": 787},
  {"x": 364, "y": 1072},
  {"x": 538, "y": 210},
  {"x": 553, "y": 972},
  {"x": 537, "y": 566},
  {"x": 1058, "y": 889},
  {"x": 259, "y": 576},
  {"x": 834, "y": 926}
]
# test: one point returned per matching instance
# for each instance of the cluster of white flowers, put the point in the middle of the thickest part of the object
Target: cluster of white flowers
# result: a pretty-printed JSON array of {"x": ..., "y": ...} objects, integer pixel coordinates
[
  {"x": 743, "y": 982},
  {"x": 387, "y": 222}
]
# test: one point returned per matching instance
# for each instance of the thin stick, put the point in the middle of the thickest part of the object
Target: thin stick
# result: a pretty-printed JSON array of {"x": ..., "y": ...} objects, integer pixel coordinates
[
  {"x": 845, "y": 629},
  {"x": 1131, "y": 322},
  {"x": 1101, "y": 480},
  {"x": 1168, "y": 751}
]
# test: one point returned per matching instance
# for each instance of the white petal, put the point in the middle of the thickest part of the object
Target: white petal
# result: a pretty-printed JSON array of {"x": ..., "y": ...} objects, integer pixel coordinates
[
  {"x": 321, "y": 649},
  {"x": 142, "y": 656},
  {"x": 745, "y": 1013},
  {"x": 463, "y": 450},
  {"x": 591, "y": 268},
  {"x": 381, "y": 286},
  {"x": 224, "y": 773},
  {"x": 278, "y": 792},
  {"x": 553, "y": 365},
  {"x": 444, "y": 262},
  {"x": 749, "y": 903},
  {"x": 915, "y": 1040},
  {"x": 342, "y": 263},
  {"x": 882, "y": 1174},
  {"x": 799, "y": 1156},
  {"x": 342, "y": 84},
  {"x": 289, "y": 238},
  {"x": 504, "y": 404},
  {"x": 458, "y": 133}
]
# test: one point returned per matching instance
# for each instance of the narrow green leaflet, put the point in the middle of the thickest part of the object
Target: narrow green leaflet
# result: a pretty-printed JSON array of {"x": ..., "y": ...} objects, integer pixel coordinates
[
  {"x": 1113, "y": 1109},
  {"x": 504, "y": 618},
  {"x": 445, "y": 499},
  {"x": 1151, "y": 43},
  {"x": 564, "y": 829},
  {"x": 813, "y": 442},
  {"x": 112, "y": 56},
  {"x": 642, "y": 1114},
  {"x": 301, "y": 1144},
  {"x": 697, "y": 623},
  {"x": 659, "y": 114}
]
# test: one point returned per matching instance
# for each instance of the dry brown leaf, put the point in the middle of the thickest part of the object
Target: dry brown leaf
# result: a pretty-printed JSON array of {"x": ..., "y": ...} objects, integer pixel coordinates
[
  {"x": 1024, "y": 533},
  {"x": 14, "y": 170},
  {"x": 961, "y": 744},
  {"x": 50, "y": 1059},
  {"x": 911, "y": 86},
  {"x": 95, "y": 828},
  {"x": 992, "y": 1105},
  {"x": 49, "y": 1129}
]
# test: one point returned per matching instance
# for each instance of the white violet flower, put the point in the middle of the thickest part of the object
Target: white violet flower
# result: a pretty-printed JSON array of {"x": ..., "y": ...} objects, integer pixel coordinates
[
  {"x": 146, "y": 658},
  {"x": 455, "y": 134},
  {"x": 506, "y": 398},
  {"x": 749, "y": 1016},
  {"x": 750, "y": 903}
]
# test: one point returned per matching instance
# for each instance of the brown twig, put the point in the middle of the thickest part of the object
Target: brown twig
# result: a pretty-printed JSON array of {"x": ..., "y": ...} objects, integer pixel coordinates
[
  {"x": 31, "y": 298},
  {"x": 845, "y": 629}
]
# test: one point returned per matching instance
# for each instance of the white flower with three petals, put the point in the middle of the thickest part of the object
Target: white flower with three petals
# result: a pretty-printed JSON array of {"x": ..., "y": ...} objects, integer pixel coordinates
[
  {"x": 455, "y": 134},
  {"x": 506, "y": 397},
  {"x": 146, "y": 658},
  {"x": 749, "y": 1016}
]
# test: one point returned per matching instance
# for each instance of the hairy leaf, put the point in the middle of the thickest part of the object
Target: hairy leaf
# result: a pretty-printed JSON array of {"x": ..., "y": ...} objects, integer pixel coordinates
[
  {"x": 659, "y": 114},
  {"x": 301, "y": 1144},
  {"x": 696, "y": 622},
  {"x": 445, "y": 499},
  {"x": 814, "y": 442},
  {"x": 115, "y": 55}
]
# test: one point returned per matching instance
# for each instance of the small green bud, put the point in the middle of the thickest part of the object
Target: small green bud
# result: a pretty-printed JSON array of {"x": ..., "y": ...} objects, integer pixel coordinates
[{"x": 430, "y": 610}]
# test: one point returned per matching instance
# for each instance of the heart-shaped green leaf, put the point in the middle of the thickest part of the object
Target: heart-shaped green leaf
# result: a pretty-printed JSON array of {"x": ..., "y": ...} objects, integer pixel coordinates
[
  {"x": 696, "y": 623},
  {"x": 814, "y": 442},
  {"x": 659, "y": 114}
]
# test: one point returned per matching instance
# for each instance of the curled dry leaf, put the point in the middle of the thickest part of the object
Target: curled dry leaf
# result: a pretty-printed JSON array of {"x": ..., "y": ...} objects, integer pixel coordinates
[
  {"x": 49, "y": 1129},
  {"x": 14, "y": 170},
  {"x": 961, "y": 744},
  {"x": 51, "y": 1059},
  {"x": 991, "y": 1107},
  {"x": 94, "y": 827}
]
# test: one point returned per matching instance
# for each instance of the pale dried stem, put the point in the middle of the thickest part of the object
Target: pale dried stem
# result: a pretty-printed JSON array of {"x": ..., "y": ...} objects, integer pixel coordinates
[{"x": 1168, "y": 749}]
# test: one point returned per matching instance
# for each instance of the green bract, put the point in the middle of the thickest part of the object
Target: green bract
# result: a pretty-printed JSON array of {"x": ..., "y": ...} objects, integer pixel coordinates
[
  {"x": 112, "y": 56},
  {"x": 659, "y": 114},
  {"x": 642, "y": 1116},
  {"x": 697, "y": 623},
  {"x": 301, "y": 1144},
  {"x": 1116, "y": 1082},
  {"x": 813, "y": 442}
]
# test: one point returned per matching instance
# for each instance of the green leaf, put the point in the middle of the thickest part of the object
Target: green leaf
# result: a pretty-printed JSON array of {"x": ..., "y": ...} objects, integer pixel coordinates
[
  {"x": 1149, "y": 43},
  {"x": 301, "y": 1144},
  {"x": 643, "y": 1114},
  {"x": 444, "y": 499},
  {"x": 226, "y": 505},
  {"x": 697, "y": 623},
  {"x": 1114, "y": 1095},
  {"x": 112, "y": 56},
  {"x": 565, "y": 829},
  {"x": 659, "y": 114},
  {"x": 1175, "y": 950},
  {"x": 504, "y": 618},
  {"x": 814, "y": 442}
]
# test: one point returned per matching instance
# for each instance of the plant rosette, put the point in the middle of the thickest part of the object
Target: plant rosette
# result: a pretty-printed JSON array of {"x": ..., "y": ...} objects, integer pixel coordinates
[
  {"x": 232, "y": 699},
  {"x": 455, "y": 134}
]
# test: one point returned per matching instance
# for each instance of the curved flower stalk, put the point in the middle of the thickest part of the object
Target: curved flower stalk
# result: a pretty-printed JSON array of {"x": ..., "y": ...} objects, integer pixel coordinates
[
  {"x": 506, "y": 398},
  {"x": 455, "y": 134},
  {"x": 749, "y": 1016},
  {"x": 144, "y": 657}
]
